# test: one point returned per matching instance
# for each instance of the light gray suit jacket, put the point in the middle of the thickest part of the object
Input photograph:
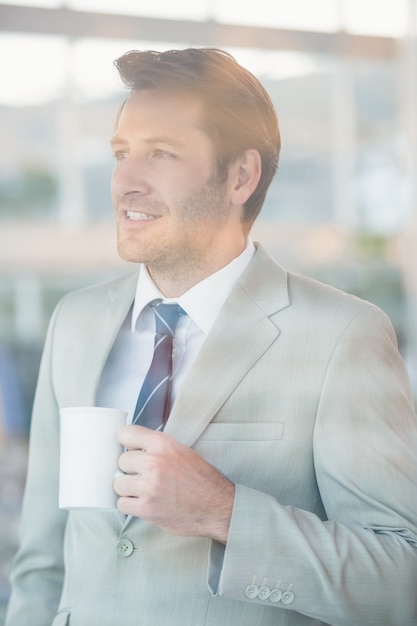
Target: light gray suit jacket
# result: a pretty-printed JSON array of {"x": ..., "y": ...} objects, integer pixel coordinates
[{"x": 300, "y": 397}]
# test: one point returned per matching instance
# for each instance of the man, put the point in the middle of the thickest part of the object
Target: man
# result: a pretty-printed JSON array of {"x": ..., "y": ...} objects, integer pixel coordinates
[{"x": 282, "y": 489}]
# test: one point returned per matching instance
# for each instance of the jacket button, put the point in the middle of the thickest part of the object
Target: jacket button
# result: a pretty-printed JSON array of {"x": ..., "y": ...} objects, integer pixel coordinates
[
  {"x": 264, "y": 592},
  {"x": 125, "y": 547},
  {"x": 275, "y": 595},
  {"x": 251, "y": 591},
  {"x": 287, "y": 597}
]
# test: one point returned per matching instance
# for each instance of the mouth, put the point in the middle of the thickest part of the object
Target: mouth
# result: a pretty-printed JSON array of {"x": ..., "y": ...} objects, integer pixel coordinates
[{"x": 137, "y": 216}]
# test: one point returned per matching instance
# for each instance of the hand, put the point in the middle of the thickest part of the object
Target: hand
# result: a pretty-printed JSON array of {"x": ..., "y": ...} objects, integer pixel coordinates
[{"x": 171, "y": 486}]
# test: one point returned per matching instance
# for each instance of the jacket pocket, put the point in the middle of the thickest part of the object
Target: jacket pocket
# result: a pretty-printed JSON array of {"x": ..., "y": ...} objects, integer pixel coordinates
[
  {"x": 243, "y": 431},
  {"x": 237, "y": 448}
]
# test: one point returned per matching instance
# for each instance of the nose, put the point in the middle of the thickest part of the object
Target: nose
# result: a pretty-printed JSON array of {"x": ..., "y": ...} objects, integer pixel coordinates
[{"x": 129, "y": 176}]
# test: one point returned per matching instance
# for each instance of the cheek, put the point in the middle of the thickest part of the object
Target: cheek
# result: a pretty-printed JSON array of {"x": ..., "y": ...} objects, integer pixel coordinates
[
  {"x": 113, "y": 189},
  {"x": 114, "y": 183}
]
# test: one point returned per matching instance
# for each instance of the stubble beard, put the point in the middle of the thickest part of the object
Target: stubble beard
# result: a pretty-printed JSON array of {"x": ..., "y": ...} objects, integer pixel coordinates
[{"x": 186, "y": 252}]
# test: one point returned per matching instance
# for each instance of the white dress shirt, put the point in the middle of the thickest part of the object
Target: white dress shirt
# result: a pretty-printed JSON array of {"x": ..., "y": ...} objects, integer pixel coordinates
[{"x": 132, "y": 352}]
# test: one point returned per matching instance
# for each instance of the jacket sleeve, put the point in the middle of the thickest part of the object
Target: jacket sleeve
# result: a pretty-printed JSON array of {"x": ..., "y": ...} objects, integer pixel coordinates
[
  {"x": 38, "y": 570},
  {"x": 358, "y": 566}
]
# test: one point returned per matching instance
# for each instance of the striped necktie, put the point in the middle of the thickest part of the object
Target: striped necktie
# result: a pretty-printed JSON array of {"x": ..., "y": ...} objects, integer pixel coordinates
[{"x": 153, "y": 405}]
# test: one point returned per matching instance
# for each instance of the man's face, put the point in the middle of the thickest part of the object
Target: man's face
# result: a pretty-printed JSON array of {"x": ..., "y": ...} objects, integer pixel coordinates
[{"x": 171, "y": 208}]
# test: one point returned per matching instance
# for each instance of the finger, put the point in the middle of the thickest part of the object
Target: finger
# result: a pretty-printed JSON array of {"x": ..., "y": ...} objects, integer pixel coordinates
[
  {"x": 128, "y": 506},
  {"x": 134, "y": 437},
  {"x": 130, "y": 462},
  {"x": 126, "y": 485}
]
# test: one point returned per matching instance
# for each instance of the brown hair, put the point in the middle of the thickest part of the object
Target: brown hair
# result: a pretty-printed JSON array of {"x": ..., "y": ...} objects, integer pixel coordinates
[{"x": 238, "y": 113}]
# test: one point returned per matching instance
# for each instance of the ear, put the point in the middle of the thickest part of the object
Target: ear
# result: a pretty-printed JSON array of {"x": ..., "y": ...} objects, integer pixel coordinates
[{"x": 246, "y": 172}]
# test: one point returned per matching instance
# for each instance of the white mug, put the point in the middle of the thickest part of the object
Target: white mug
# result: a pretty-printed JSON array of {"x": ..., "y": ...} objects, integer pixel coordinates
[{"x": 89, "y": 454}]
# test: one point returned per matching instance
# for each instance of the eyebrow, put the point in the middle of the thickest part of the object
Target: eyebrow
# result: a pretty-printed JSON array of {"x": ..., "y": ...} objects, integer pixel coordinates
[
  {"x": 151, "y": 140},
  {"x": 115, "y": 140}
]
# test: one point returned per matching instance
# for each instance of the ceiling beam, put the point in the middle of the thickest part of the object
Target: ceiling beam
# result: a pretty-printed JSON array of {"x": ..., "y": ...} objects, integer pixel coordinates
[{"x": 78, "y": 24}]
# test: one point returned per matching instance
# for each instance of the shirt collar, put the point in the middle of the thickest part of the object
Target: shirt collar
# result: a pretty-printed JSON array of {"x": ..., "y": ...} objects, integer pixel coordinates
[{"x": 204, "y": 300}]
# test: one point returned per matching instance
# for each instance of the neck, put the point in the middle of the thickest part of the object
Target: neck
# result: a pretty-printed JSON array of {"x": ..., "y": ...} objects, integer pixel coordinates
[{"x": 174, "y": 280}]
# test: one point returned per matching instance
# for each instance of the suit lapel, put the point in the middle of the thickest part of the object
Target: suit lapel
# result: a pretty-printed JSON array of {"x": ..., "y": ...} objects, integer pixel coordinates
[
  {"x": 241, "y": 334},
  {"x": 121, "y": 296},
  {"x": 109, "y": 319}
]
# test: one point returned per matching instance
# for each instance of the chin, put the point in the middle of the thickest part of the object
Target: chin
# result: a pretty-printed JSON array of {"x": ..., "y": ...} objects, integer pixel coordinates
[{"x": 129, "y": 253}]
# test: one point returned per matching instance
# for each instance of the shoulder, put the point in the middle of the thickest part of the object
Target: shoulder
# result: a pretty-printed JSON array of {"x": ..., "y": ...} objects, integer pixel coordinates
[
  {"x": 313, "y": 292},
  {"x": 98, "y": 293},
  {"x": 86, "y": 307},
  {"x": 310, "y": 299}
]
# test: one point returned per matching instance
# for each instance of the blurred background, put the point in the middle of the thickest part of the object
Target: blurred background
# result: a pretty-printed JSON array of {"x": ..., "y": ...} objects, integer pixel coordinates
[{"x": 343, "y": 207}]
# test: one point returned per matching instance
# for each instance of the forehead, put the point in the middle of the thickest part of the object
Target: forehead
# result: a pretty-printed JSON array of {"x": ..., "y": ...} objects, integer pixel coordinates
[{"x": 152, "y": 108}]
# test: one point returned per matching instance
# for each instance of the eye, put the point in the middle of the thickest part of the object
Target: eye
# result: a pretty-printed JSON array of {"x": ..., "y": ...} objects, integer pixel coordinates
[
  {"x": 119, "y": 155},
  {"x": 160, "y": 153}
]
